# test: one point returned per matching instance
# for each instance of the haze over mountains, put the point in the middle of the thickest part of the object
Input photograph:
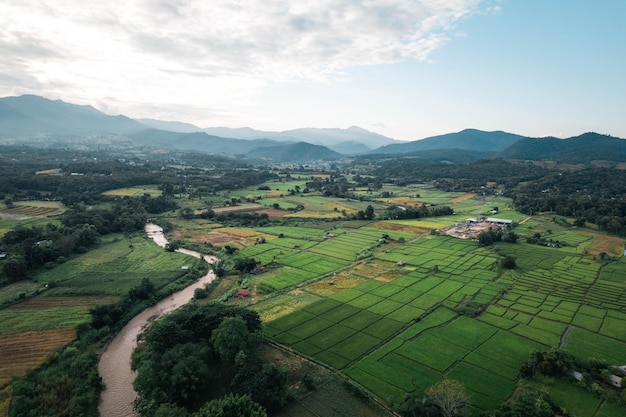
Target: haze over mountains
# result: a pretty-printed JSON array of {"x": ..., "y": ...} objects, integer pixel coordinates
[{"x": 37, "y": 121}]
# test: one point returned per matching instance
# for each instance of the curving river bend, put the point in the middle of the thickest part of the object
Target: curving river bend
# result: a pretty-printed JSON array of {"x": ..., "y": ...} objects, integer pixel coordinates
[{"x": 117, "y": 398}]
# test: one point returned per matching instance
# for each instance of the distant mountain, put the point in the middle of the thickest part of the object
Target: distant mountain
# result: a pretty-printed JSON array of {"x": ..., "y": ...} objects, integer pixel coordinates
[
  {"x": 326, "y": 137},
  {"x": 294, "y": 152},
  {"x": 198, "y": 141},
  {"x": 55, "y": 122},
  {"x": 172, "y": 126},
  {"x": 350, "y": 148},
  {"x": 33, "y": 116},
  {"x": 468, "y": 139},
  {"x": 585, "y": 148},
  {"x": 239, "y": 132},
  {"x": 38, "y": 121}
]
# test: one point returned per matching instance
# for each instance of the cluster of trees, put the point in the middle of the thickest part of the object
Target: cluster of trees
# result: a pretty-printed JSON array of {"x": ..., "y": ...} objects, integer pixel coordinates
[
  {"x": 489, "y": 237},
  {"x": 590, "y": 195},
  {"x": 396, "y": 212},
  {"x": 537, "y": 239},
  {"x": 459, "y": 177},
  {"x": 594, "y": 375},
  {"x": 528, "y": 402},
  {"x": 34, "y": 247},
  {"x": 202, "y": 353},
  {"x": 237, "y": 219},
  {"x": 447, "y": 398},
  {"x": 102, "y": 171},
  {"x": 68, "y": 383},
  {"x": 593, "y": 195}
]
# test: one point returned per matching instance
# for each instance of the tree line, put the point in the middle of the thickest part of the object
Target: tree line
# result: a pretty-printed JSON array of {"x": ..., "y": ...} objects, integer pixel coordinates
[
  {"x": 203, "y": 358},
  {"x": 588, "y": 194}
]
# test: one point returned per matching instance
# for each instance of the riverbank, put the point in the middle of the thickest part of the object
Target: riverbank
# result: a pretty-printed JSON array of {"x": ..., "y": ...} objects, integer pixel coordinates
[{"x": 114, "y": 367}]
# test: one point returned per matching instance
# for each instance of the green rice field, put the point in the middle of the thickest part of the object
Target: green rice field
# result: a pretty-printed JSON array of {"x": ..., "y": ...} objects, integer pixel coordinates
[{"x": 396, "y": 330}]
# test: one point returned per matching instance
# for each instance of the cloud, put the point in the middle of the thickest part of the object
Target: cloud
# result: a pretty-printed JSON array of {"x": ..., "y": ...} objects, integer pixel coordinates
[{"x": 173, "y": 51}]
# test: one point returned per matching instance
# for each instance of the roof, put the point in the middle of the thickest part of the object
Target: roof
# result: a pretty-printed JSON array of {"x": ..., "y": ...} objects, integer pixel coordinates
[
  {"x": 243, "y": 293},
  {"x": 494, "y": 220}
]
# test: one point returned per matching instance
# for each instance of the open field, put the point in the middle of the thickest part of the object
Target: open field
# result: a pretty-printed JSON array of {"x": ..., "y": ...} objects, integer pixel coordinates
[
  {"x": 380, "y": 301},
  {"x": 153, "y": 191},
  {"x": 393, "y": 329},
  {"x": 23, "y": 351},
  {"x": 32, "y": 329}
]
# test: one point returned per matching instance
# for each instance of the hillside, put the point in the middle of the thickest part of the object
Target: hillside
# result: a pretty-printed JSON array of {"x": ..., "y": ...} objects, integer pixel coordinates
[
  {"x": 585, "y": 148},
  {"x": 41, "y": 122},
  {"x": 468, "y": 139},
  {"x": 198, "y": 141},
  {"x": 31, "y": 115},
  {"x": 327, "y": 137},
  {"x": 295, "y": 152}
]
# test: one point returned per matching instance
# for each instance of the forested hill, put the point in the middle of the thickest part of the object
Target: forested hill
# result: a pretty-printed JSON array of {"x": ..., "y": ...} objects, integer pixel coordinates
[
  {"x": 468, "y": 139},
  {"x": 295, "y": 152},
  {"x": 31, "y": 115},
  {"x": 580, "y": 149}
]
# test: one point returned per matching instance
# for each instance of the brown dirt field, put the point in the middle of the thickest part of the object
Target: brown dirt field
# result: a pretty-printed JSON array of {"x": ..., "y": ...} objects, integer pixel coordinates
[
  {"x": 251, "y": 208},
  {"x": 43, "y": 302},
  {"x": 462, "y": 198},
  {"x": 238, "y": 232},
  {"x": 399, "y": 227},
  {"x": 218, "y": 239},
  {"x": 30, "y": 210},
  {"x": 375, "y": 269},
  {"x": 388, "y": 277},
  {"x": 611, "y": 245},
  {"x": 341, "y": 281},
  {"x": 242, "y": 207},
  {"x": 20, "y": 352}
]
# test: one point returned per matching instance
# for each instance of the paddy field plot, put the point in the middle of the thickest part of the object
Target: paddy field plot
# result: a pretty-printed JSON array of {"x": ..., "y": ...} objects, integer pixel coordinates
[{"x": 394, "y": 330}]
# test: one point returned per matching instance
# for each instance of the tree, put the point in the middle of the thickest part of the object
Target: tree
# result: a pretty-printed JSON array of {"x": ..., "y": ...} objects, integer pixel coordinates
[
  {"x": 245, "y": 265},
  {"x": 450, "y": 396},
  {"x": 15, "y": 268},
  {"x": 232, "y": 406},
  {"x": 369, "y": 212},
  {"x": 231, "y": 337},
  {"x": 508, "y": 262}
]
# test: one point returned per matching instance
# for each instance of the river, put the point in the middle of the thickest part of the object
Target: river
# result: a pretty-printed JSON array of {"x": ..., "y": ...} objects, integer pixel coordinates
[{"x": 117, "y": 398}]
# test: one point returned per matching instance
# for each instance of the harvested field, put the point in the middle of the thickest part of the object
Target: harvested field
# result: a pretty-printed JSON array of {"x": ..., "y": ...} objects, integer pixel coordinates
[
  {"x": 239, "y": 232},
  {"x": 241, "y": 208},
  {"x": 218, "y": 239},
  {"x": 340, "y": 281},
  {"x": 400, "y": 227},
  {"x": 611, "y": 245},
  {"x": 250, "y": 208},
  {"x": 462, "y": 198},
  {"x": 28, "y": 211},
  {"x": 20, "y": 352}
]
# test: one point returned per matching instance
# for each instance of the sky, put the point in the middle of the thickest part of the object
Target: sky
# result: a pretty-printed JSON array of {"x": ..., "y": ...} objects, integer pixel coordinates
[{"x": 407, "y": 69}]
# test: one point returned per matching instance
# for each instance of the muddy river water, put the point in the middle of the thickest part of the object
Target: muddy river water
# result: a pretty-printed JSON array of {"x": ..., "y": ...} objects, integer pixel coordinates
[{"x": 114, "y": 366}]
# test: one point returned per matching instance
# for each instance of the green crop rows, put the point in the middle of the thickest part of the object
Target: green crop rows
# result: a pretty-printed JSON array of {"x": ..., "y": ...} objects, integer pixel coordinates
[{"x": 402, "y": 336}]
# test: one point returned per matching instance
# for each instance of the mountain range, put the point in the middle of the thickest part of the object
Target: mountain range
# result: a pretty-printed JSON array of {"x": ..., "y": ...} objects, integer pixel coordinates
[{"x": 38, "y": 121}]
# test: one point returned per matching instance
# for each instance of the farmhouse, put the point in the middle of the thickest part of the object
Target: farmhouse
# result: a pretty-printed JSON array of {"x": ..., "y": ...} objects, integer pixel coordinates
[{"x": 499, "y": 222}]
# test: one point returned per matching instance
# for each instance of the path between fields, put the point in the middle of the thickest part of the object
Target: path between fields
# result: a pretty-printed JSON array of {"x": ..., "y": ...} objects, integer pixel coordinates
[{"x": 116, "y": 400}]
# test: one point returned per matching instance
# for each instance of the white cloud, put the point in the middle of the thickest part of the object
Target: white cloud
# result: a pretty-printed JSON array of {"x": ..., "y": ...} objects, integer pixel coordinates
[{"x": 129, "y": 54}]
